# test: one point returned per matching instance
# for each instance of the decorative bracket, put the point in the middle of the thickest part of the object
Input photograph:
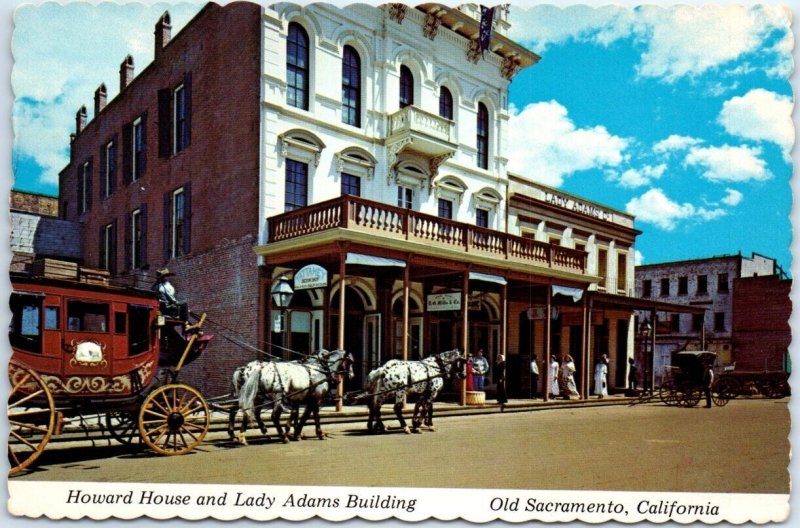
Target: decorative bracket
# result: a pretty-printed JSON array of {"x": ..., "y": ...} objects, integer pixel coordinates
[{"x": 397, "y": 12}]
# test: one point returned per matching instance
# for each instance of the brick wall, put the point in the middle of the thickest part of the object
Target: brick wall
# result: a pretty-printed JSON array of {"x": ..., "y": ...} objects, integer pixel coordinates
[
  {"x": 223, "y": 283},
  {"x": 220, "y": 50},
  {"x": 761, "y": 332}
]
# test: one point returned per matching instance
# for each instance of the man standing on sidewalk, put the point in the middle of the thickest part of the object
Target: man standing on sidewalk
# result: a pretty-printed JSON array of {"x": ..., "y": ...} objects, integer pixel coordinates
[
  {"x": 534, "y": 377},
  {"x": 480, "y": 367}
]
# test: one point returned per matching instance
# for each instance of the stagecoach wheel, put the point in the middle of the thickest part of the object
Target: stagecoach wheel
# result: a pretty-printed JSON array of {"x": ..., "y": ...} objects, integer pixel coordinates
[
  {"x": 123, "y": 427},
  {"x": 174, "y": 419},
  {"x": 31, "y": 419}
]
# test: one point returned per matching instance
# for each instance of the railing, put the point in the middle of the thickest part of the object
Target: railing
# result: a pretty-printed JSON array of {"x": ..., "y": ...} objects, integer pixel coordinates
[
  {"x": 413, "y": 119},
  {"x": 359, "y": 214}
]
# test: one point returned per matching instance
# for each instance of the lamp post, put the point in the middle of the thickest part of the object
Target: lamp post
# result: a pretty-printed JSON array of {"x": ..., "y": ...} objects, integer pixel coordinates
[
  {"x": 282, "y": 293},
  {"x": 645, "y": 329}
]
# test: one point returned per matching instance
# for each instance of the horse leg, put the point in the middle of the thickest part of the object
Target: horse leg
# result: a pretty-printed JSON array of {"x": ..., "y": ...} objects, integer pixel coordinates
[
  {"x": 419, "y": 414},
  {"x": 276, "y": 421},
  {"x": 261, "y": 424},
  {"x": 429, "y": 418},
  {"x": 232, "y": 421},
  {"x": 243, "y": 430},
  {"x": 299, "y": 426},
  {"x": 398, "y": 411},
  {"x": 317, "y": 425},
  {"x": 371, "y": 417}
]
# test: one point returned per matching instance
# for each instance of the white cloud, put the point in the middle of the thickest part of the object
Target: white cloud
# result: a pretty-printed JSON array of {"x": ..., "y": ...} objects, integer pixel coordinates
[
  {"x": 760, "y": 115},
  {"x": 732, "y": 197},
  {"x": 680, "y": 41},
  {"x": 654, "y": 207},
  {"x": 633, "y": 178},
  {"x": 53, "y": 77},
  {"x": 675, "y": 142},
  {"x": 638, "y": 257},
  {"x": 727, "y": 163},
  {"x": 545, "y": 145}
]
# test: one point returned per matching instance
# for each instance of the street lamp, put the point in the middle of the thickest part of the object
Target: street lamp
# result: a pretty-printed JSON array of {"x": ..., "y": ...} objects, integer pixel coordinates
[
  {"x": 644, "y": 332},
  {"x": 282, "y": 293}
]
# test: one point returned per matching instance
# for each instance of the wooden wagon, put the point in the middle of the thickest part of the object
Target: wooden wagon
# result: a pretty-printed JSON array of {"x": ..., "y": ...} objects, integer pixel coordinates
[{"x": 81, "y": 346}]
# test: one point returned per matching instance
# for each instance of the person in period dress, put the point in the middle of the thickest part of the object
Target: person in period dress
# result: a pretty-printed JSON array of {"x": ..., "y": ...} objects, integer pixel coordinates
[
  {"x": 568, "y": 377},
  {"x": 480, "y": 367},
  {"x": 500, "y": 378},
  {"x": 552, "y": 379},
  {"x": 632, "y": 374},
  {"x": 601, "y": 377},
  {"x": 168, "y": 302},
  {"x": 534, "y": 376}
]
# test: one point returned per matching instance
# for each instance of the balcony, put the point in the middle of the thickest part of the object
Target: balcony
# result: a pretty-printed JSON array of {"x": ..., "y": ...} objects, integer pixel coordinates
[
  {"x": 388, "y": 226},
  {"x": 426, "y": 134}
]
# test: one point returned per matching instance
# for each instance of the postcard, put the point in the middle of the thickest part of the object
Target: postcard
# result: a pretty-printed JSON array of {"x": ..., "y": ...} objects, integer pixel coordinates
[{"x": 368, "y": 262}]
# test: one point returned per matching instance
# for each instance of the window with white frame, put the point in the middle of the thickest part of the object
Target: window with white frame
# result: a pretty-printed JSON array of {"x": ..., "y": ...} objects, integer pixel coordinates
[
  {"x": 136, "y": 239},
  {"x": 405, "y": 197},
  {"x": 108, "y": 247},
  {"x": 85, "y": 184},
  {"x": 138, "y": 146},
  {"x": 178, "y": 213},
  {"x": 179, "y": 135},
  {"x": 297, "y": 67},
  {"x": 109, "y": 168}
]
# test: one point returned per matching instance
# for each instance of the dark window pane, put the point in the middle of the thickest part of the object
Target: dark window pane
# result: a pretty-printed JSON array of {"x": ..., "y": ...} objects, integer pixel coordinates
[
  {"x": 445, "y": 103},
  {"x": 296, "y": 185},
  {"x": 406, "y": 87},
  {"x": 351, "y": 87},
  {"x": 482, "y": 218},
  {"x": 351, "y": 184},
  {"x": 483, "y": 136},
  {"x": 297, "y": 67}
]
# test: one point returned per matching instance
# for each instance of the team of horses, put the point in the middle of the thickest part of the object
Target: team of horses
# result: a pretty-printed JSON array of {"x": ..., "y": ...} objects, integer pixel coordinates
[{"x": 290, "y": 385}]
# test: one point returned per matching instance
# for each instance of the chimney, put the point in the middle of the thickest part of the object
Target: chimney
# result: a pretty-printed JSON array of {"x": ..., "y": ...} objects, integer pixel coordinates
[
  {"x": 125, "y": 73},
  {"x": 100, "y": 97},
  {"x": 163, "y": 32},
  {"x": 80, "y": 120}
]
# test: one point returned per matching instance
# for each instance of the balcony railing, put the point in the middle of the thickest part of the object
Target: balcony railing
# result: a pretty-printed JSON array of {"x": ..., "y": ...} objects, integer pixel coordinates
[
  {"x": 359, "y": 214},
  {"x": 413, "y": 119}
]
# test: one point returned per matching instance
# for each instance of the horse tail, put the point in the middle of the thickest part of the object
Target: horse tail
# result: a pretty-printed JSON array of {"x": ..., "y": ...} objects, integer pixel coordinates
[{"x": 248, "y": 393}]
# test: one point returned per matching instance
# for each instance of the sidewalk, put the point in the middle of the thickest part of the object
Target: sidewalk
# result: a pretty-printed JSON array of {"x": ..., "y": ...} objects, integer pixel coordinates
[{"x": 94, "y": 428}]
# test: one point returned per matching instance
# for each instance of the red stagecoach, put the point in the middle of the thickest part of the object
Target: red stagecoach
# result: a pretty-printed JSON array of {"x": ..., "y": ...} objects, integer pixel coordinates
[{"x": 86, "y": 347}]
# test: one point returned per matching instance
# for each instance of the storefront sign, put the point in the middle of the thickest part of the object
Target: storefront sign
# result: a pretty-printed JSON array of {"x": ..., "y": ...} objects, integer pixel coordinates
[
  {"x": 442, "y": 302},
  {"x": 310, "y": 277},
  {"x": 539, "y": 313},
  {"x": 579, "y": 207}
]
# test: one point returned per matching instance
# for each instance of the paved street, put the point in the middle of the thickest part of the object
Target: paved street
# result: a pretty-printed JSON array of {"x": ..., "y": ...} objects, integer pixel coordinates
[{"x": 743, "y": 447}]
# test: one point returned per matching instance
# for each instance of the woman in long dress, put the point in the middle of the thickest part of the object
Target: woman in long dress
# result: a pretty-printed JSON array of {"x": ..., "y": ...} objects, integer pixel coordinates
[
  {"x": 500, "y": 375},
  {"x": 552, "y": 379},
  {"x": 568, "y": 373},
  {"x": 601, "y": 377}
]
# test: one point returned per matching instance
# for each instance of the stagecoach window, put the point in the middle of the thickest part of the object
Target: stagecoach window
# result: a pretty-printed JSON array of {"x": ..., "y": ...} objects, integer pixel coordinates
[
  {"x": 25, "y": 329},
  {"x": 139, "y": 334},
  {"x": 120, "y": 322},
  {"x": 51, "y": 317},
  {"x": 87, "y": 316}
]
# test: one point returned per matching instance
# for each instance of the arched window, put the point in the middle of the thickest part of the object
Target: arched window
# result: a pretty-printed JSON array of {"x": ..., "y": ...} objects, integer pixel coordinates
[
  {"x": 351, "y": 87},
  {"x": 297, "y": 67},
  {"x": 406, "y": 87},
  {"x": 483, "y": 136},
  {"x": 445, "y": 103}
]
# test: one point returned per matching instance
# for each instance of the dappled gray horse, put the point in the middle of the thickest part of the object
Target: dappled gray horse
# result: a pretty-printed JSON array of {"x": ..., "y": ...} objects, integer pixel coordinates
[
  {"x": 290, "y": 383},
  {"x": 397, "y": 379}
]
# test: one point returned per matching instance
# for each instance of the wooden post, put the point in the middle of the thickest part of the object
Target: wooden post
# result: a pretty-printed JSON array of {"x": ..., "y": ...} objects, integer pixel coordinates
[
  {"x": 464, "y": 330},
  {"x": 585, "y": 347},
  {"x": 340, "y": 341},
  {"x": 406, "y": 287},
  {"x": 548, "y": 345}
]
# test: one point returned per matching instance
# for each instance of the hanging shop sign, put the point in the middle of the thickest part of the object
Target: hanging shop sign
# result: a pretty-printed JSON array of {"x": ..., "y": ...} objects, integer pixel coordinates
[
  {"x": 442, "y": 302},
  {"x": 310, "y": 277}
]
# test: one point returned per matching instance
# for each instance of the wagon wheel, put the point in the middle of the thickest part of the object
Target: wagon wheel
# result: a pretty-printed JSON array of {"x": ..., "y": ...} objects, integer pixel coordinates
[
  {"x": 30, "y": 427},
  {"x": 123, "y": 426},
  {"x": 722, "y": 392},
  {"x": 668, "y": 394},
  {"x": 777, "y": 389},
  {"x": 690, "y": 396},
  {"x": 174, "y": 419},
  {"x": 733, "y": 385}
]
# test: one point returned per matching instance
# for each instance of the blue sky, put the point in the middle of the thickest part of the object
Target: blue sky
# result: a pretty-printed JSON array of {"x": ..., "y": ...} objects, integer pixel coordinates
[{"x": 678, "y": 115}]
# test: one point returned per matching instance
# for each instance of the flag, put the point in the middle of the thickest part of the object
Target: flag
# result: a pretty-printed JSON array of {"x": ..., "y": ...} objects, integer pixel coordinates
[{"x": 485, "y": 35}]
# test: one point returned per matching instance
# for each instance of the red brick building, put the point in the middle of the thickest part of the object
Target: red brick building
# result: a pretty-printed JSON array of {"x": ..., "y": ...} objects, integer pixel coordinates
[
  {"x": 156, "y": 174},
  {"x": 761, "y": 332}
]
